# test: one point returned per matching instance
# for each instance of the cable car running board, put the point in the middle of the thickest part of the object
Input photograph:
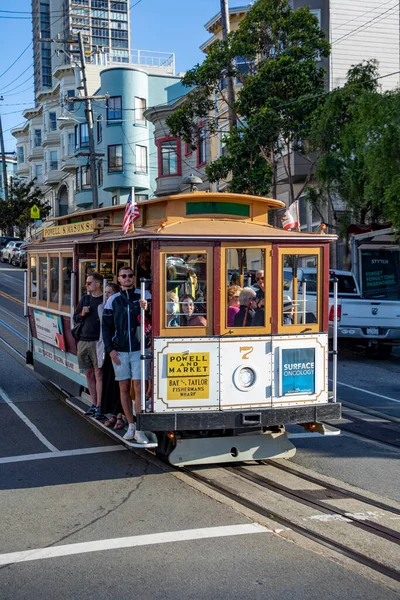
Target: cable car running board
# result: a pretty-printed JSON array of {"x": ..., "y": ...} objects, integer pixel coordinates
[{"x": 215, "y": 450}]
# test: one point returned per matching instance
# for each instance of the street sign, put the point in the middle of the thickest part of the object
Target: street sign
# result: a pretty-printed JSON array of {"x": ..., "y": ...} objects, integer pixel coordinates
[{"x": 35, "y": 212}]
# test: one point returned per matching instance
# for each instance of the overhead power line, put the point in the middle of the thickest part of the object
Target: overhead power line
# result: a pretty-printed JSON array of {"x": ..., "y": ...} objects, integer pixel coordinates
[
  {"x": 365, "y": 25},
  {"x": 16, "y": 60}
]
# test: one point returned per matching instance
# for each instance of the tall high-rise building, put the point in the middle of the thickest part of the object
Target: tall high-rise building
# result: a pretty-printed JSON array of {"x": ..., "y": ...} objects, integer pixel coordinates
[{"x": 104, "y": 25}]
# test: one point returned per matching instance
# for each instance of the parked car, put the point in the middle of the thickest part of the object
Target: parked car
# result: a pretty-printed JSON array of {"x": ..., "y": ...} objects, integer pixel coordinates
[
  {"x": 9, "y": 251},
  {"x": 4, "y": 239},
  {"x": 20, "y": 258},
  {"x": 372, "y": 324}
]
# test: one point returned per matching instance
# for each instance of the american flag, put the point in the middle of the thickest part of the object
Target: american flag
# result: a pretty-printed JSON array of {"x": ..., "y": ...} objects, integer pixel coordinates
[{"x": 131, "y": 214}]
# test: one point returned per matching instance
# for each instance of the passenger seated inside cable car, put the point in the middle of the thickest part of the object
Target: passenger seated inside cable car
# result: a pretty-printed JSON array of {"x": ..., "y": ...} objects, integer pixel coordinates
[
  {"x": 186, "y": 282},
  {"x": 190, "y": 318},
  {"x": 248, "y": 305},
  {"x": 233, "y": 303},
  {"x": 172, "y": 310}
]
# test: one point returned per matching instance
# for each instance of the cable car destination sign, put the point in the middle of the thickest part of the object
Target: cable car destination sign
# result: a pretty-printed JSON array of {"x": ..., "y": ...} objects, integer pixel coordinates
[
  {"x": 188, "y": 376},
  {"x": 72, "y": 228}
]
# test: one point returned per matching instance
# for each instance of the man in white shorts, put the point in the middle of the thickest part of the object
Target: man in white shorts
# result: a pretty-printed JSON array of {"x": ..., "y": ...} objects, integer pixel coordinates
[{"x": 121, "y": 334}]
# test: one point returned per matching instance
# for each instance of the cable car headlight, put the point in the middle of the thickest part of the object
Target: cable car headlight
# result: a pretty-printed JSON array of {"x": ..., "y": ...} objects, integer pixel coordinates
[{"x": 245, "y": 378}]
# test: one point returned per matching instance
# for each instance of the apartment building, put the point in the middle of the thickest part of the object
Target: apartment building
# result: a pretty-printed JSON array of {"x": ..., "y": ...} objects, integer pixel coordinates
[
  {"x": 104, "y": 25},
  {"x": 11, "y": 168},
  {"x": 53, "y": 143}
]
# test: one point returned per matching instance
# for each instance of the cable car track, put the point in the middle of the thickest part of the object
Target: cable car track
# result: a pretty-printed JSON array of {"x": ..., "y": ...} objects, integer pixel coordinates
[{"x": 270, "y": 513}]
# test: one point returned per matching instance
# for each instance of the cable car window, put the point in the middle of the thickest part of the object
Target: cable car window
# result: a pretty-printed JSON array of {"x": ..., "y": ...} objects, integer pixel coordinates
[
  {"x": 300, "y": 289},
  {"x": 245, "y": 293},
  {"x": 33, "y": 278},
  {"x": 86, "y": 267},
  {"x": 43, "y": 282},
  {"x": 66, "y": 280},
  {"x": 186, "y": 290},
  {"x": 54, "y": 279}
]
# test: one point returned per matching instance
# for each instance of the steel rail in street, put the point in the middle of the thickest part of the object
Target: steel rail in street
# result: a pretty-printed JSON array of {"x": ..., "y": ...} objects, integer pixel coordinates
[
  {"x": 270, "y": 513},
  {"x": 330, "y": 486},
  {"x": 306, "y": 498}
]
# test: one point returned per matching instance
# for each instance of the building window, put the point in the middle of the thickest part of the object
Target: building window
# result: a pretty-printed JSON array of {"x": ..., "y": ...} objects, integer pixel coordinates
[
  {"x": 53, "y": 162},
  {"x": 115, "y": 158},
  {"x": 114, "y": 109},
  {"x": 84, "y": 135},
  {"x": 52, "y": 121},
  {"x": 20, "y": 154},
  {"x": 100, "y": 172},
  {"x": 141, "y": 197},
  {"x": 140, "y": 107},
  {"x": 70, "y": 105},
  {"x": 39, "y": 173},
  {"x": 85, "y": 177},
  {"x": 114, "y": 200},
  {"x": 141, "y": 159},
  {"x": 201, "y": 147},
  {"x": 99, "y": 130},
  {"x": 77, "y": 180},
  {"x": 37, "y": 138},
  {"x": 169, "y": 157},
  {"x": 188, "y": 149}
]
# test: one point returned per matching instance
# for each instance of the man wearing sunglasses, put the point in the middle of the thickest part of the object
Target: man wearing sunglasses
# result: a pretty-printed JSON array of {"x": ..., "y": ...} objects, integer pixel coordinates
[
  {"x": 121, "y": 334},
  {"x": 259, "y": 286}
]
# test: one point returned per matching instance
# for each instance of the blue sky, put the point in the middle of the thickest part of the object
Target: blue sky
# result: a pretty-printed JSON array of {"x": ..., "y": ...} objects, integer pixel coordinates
[{"x": 162, "y": 25}]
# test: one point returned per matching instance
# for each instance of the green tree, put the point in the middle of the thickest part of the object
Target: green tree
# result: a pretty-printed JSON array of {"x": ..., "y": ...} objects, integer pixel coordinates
[
  {"x": 275, "y": 55},
  {"x": 16, "y": 211},
  {"x": 357, "y": 131}
]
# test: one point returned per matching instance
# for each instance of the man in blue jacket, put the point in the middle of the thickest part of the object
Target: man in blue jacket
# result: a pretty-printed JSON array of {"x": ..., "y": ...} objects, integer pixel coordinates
[{"x": 121, "y": 335}]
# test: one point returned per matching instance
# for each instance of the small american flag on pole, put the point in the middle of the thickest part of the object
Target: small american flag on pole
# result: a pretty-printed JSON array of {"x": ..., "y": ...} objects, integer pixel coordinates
[{"x": 131, "y": 214}]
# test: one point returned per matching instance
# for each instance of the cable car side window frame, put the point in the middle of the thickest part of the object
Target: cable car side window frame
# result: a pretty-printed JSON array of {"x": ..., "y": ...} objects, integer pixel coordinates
[
  {"x": 290, "y": 328},
  {"x": 266, "y": 252},
  {"x": 181, "y": 330}
]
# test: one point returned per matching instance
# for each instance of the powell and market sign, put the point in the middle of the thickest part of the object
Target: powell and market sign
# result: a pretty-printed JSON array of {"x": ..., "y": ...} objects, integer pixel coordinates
[{"x": 73, "y": 228}]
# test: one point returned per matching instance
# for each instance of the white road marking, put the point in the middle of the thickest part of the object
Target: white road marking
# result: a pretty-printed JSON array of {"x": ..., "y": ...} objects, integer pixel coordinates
[
  {"x": 60, "y": 454},
  {"x": 27, "y": 422},
  {"x": 368, "y": 392},
  {"x": 131, "y": 542}
]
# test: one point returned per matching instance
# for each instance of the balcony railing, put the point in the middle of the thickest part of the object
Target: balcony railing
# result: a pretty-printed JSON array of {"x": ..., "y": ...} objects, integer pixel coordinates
[{"x": 158, "y": 62}]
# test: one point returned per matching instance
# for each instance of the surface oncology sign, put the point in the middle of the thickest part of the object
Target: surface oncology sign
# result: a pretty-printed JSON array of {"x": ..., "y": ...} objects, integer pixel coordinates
[
  {"x": 188, "y": 376},
  {"x": 298, "y": 371},
  {"x": 49, "y": 329}
]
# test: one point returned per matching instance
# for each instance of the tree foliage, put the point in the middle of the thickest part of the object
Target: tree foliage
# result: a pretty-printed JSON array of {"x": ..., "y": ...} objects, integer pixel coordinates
[
  {"x": 357, "y": 130},
  {"x": 275, "y": 55},
  {"x": 15, "y": 212}
]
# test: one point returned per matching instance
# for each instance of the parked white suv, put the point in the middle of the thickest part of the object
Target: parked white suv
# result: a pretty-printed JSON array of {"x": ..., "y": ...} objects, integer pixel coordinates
[{"x": 9, "y": 251}]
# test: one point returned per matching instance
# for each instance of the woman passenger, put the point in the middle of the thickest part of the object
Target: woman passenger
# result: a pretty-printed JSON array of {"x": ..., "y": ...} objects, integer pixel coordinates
[
  {"x": 188, "y": 318},
  {"x": 233, "y": 303},
  {"x": 248, "y": 305},
  {"x": 110, "y": 398}
]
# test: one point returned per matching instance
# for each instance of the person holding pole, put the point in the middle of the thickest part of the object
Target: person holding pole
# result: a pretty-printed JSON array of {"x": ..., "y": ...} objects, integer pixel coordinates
[{"x": 121, "y": 335}]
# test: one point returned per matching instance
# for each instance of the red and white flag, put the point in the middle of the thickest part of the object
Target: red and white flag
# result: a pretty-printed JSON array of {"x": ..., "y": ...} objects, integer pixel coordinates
[
  {"x": 290, "y": 219},
  {"x": 131, "y": 214}
]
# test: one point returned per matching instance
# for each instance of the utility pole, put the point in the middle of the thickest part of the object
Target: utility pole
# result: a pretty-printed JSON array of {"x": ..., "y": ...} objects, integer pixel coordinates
[
  {"x": 89, "y": 120},
  {"x": 3, "y": 159},
  {"x": 230, "y": 93}
]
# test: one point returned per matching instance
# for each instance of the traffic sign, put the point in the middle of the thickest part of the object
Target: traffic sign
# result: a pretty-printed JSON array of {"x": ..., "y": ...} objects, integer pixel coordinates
[{"x": 35, "y": 212}]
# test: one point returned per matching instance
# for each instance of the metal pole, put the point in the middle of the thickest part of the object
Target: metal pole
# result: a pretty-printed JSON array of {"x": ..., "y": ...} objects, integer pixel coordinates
[
  {"x": 334, "y": 341},
  {"x": 142, "y": 348},
  {"x": 89, "y": 120},
  {"x": 25, "y": 293},
  {"x": 72, "y": 306},
  {"x": 3, "y": 159},
  {"x": 230, "y": 92},
  {"x": 304, "y": 294}
]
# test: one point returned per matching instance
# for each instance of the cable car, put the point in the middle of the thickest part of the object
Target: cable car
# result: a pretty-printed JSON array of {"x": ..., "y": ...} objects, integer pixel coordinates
[{"x": 237, "y": 353}]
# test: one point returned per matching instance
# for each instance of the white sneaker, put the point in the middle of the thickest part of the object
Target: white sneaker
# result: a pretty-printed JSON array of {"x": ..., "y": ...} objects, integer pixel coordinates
[
  {"x": 130, "y": 434},
  {"x": 148, "y": 405},
  {"x": 141, "y": 437}
]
